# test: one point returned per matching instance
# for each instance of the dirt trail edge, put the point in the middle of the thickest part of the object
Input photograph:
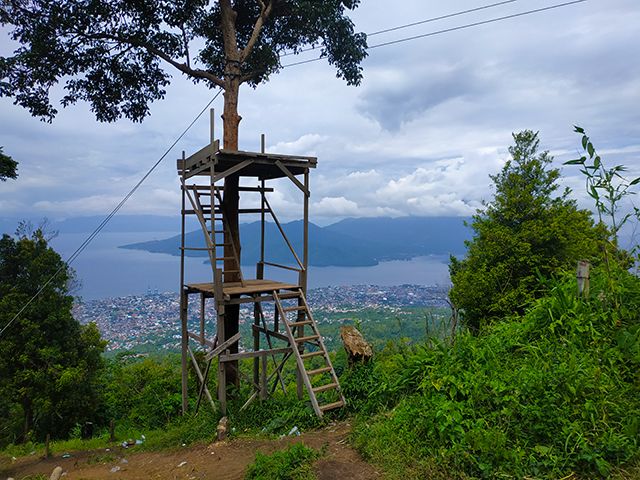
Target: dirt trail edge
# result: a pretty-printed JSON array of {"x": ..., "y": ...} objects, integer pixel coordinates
[{"x": 220, "y": 461}]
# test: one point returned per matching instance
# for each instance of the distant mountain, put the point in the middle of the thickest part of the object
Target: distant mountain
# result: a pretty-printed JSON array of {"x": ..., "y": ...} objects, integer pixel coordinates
[{"x": 350, "y": 242}]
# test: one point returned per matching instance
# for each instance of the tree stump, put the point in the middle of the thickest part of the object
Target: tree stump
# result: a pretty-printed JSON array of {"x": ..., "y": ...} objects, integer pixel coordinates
[{"x": 358, "y": 349}]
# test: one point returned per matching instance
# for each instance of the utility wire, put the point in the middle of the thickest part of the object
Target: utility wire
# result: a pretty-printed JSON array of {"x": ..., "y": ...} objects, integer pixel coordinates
[
  {"x": 421, "y": 22},
  {"x": 106, "y": 220},
  {"x": 452, "y": 29}
]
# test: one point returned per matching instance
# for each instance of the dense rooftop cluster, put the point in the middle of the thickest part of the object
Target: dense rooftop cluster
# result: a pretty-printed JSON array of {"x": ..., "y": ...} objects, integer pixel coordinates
[{"x": 132, "y": 322}]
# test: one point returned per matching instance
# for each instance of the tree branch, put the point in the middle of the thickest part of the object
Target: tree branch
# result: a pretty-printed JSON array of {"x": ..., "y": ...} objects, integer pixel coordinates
[
  {"x": 265, "y": 11},
  {"x": 184, "y": 68},
  {"x": 186, "y": 45}
]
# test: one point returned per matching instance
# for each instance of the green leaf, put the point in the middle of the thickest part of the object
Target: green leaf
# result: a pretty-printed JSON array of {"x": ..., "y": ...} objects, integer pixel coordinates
[
  {"x": 585, "y": 140},
  {"x": 577, "y": 161},
  {"x": 597, "y": 162},
  {"x": 590, "y": 149},
  {"x": 635, "y": 181},
  {"x": 578, "y": 129}
]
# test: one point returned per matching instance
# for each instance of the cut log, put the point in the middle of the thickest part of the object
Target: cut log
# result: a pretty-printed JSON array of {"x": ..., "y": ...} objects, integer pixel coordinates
[{"x": 358, "y": 349}]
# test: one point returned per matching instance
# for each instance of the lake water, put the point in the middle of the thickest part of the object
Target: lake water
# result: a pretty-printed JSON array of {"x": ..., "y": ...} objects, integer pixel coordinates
[{"x": 107, "y": 271}]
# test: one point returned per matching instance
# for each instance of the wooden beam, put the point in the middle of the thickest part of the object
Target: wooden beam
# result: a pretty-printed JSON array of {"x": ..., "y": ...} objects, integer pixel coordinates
[
  {"x": 196, "y": 367},
  {"x": 223, "y": 346},
  {"x": 292, "y": 177},
  {"x": 278, "y": 335},
  {"x": 232, "y": 170},
  {"x": 231, "y": 357},
  {"x": 199, "y": 339}
]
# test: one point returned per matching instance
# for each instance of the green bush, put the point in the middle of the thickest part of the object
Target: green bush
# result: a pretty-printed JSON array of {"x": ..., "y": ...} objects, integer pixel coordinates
[
  {"x": 294, "y": 463},
  {"x": 553, "y": 392}
]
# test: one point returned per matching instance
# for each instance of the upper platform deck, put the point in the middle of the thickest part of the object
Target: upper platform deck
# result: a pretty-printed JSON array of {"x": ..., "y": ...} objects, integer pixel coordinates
[
  {"x": 264, "y": 166},
  {"x": 250, "y": 287}
]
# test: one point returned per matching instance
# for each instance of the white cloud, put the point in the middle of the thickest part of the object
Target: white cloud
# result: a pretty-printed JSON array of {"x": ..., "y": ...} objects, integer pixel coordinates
[{"x": 431, "y": 120}]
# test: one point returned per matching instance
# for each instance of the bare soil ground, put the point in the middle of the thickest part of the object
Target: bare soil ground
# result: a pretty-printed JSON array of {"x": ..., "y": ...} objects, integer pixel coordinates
[{"x": 221, "y": 461}]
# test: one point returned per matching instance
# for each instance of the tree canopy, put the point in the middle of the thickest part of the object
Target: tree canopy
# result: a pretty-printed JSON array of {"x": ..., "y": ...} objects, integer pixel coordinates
[
  {"x": 112, "y": 53},
  {"x": 49, "y": 362},
  {"x": 526, "y": 232},
  {"x": 8, "y": 167}
]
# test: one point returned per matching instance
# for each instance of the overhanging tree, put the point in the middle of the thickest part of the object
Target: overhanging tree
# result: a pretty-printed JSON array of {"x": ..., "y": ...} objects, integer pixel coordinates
[
  {"x": 49, "y": 363},
  {"x": 526, "y": 231},
  {"x": 113, "y": 54}
]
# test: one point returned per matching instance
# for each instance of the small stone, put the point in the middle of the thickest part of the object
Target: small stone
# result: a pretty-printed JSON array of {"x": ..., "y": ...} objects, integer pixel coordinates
[
  {"x": 223, "y": 428},
  {"x": 182, "y": 464},
  {"x": 56, "y": 474},
  {"x": 115, "y": 469}
]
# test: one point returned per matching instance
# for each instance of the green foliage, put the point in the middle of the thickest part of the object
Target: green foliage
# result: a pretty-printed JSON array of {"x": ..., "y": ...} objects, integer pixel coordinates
[
  {"x": 553, "y": 392},
  {"x": 50, "y": 363},
  {"x": 294, "y": 463},
  {"x": 143, "y": 393},
  {"x": 524, "y": 233},
  {"x": 8, "y": 167},
  {"x": 113, "y": 54}
]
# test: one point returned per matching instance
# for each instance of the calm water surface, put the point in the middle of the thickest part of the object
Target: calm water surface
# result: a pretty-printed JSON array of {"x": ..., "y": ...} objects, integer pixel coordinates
[{"x": 107, "y": 271}]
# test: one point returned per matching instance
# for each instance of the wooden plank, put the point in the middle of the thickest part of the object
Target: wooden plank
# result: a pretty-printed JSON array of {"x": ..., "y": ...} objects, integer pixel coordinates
[{"x": 268, "y": 156}]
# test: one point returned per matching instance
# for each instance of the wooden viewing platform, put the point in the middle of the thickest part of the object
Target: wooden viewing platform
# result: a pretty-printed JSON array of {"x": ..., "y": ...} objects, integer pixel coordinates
[{"x": 291, "y": 331}]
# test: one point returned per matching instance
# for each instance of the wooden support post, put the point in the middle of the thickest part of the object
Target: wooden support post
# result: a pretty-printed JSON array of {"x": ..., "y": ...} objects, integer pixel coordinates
[
  {"x": 583, "y": 279},
  {"x": 256, "y": 343},
  {"x": 263, "y": 378},
  {"x": 47, "y": 450},
  {"x": 184, "y": 313},
  {"x": 303, "y": 274},
  {"x": 183, "y": 299},
  {"x": 263, "y": 143},
  {"x": 222, "y": 370},
  {"x": 212, "y": 130},
  {"x": 202, "y": 310},
  {"x": 112, "y": 431}
]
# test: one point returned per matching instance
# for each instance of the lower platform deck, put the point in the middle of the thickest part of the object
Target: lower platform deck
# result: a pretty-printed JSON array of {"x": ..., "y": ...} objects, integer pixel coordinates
[{"x": 237, "y": 289}]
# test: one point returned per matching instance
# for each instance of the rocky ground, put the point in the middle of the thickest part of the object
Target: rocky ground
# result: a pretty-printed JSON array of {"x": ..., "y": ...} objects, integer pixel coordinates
[{"x": 221, "y": 460}]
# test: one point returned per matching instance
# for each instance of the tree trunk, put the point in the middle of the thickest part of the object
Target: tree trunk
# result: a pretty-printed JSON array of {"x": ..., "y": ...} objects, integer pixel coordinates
[{"x": 230, "y": 202}]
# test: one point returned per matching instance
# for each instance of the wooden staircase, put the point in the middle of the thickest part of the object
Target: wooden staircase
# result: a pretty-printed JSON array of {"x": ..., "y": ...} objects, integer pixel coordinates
[{"x": 320, "y": 379}]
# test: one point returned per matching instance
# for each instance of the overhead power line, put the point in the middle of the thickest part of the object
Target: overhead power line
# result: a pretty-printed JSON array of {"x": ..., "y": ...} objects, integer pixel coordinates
[
  {"x": 420, "y": 22},
  {"x": 106, "y": 220},
  {"x": 452, "y": 29}
]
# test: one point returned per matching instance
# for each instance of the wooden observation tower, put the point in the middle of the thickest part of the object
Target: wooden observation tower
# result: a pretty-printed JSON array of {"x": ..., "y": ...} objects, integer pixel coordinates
[{"x": 282, "y": 326}]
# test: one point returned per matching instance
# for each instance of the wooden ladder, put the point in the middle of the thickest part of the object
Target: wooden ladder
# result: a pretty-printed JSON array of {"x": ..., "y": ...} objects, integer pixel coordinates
[
  {"x": 294, "y": 327},
  {"x": 214, "y": 225}
]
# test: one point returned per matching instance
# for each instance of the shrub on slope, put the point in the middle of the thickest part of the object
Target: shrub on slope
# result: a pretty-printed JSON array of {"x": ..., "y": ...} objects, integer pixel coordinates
[{"x": 553, "y": 392}]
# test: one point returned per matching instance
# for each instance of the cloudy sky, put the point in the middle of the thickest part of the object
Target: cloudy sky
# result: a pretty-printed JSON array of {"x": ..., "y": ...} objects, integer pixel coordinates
[{"x": 431, "y": 120}]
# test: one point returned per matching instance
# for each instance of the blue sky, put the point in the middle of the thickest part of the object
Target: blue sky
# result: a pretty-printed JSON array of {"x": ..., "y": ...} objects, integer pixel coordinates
[{"x": 431, "y": 120}]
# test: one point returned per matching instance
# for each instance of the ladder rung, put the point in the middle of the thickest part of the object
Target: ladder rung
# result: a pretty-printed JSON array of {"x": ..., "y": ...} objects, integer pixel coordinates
[
  {"x": 318, "y": 371},
  {"x": 284, "y": 296},
  {"x": 293, "y": 309},
  {"x": 297, "y": 324},
  {"x": 219, "y": 259},
  {"x": 306, "y": 339},
  {"x": 328, "y": 386},
  {"x": 331, "y": 406},
  {"x": 230, "y": 271},
  {"x": 304, "y": 356}
]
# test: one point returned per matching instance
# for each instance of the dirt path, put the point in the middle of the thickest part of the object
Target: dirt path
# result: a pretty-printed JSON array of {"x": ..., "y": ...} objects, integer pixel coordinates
[{"x": 220, "y": 461}]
